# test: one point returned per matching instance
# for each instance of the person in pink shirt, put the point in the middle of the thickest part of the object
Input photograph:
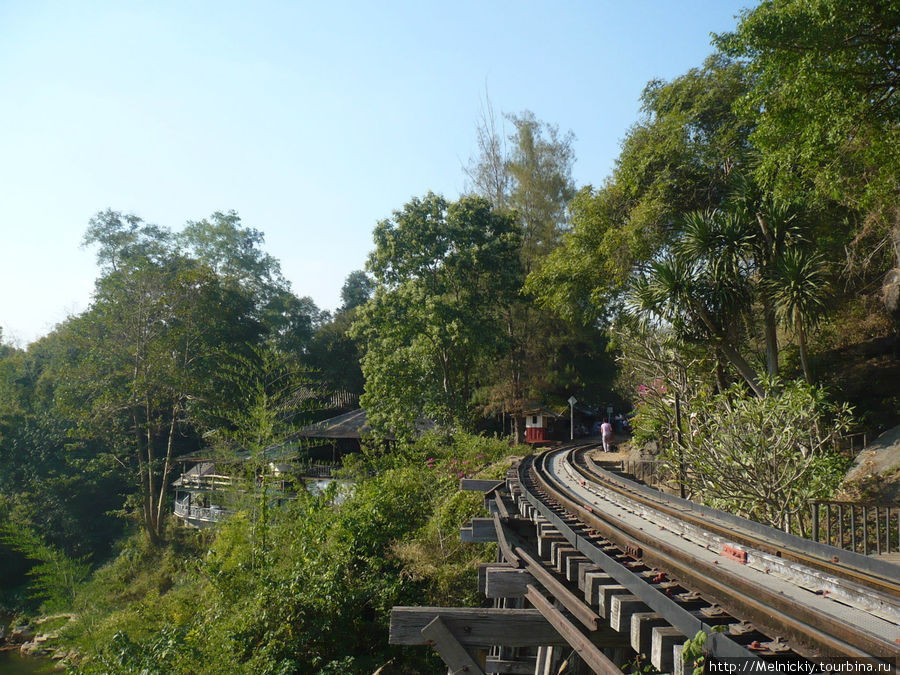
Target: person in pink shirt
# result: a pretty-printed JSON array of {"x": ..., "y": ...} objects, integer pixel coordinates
[{"x": 606, "y": 432}]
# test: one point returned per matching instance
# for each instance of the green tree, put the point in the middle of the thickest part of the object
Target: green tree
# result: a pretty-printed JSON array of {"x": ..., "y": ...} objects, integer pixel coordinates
[
  {"x": 441, "y": 270},
  {"x": 698, "y": 305},
  {"x": 800, "y": 290},
  {"x": 540, "y": 167},
  {"x": 681, "y": 156},
  {"x": 272, "y": 394},
  {"x": 334, "y": 355},
  {"x": 12, "y": 389},
  {"x": 763, "y": 458},
  {"x": 825, "y": 103},
  {"x": 526, "y": 173},
  {"x": 51, "y": 482},
  {"x": 357, "y": 290},
  {"x": 233, "y": 251},
  {"x": 145, "y": 350},
  {"x": 56, "y": 576}
]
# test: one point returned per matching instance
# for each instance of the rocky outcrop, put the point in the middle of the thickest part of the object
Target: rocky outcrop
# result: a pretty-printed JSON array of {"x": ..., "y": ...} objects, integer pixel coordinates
[
  {"x": 875, "y": 474},
  {"x": 890, "y": 292},
  {"x": 19, "y": 634}
]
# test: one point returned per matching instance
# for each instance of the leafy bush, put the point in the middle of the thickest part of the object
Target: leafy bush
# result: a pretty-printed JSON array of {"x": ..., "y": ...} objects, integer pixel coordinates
[
  {"x": 287, "y": 595},
  {"x": 763, "y": 458},
  {"x": 55, "y": 576}
]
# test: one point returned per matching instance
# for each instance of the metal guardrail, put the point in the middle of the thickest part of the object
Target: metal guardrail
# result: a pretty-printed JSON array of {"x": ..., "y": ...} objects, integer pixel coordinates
[
  {"x": 317, "y": 470},
  {"x": 201, "y": 512},
  {"x": 777, "y": 537},
  {"x": 863, "y": 527},
  {"x": 646, "y": 471},
  {"x": 851, "y": 444}
]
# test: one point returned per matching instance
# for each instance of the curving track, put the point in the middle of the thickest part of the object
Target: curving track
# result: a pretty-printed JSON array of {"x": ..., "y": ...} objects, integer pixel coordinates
[{"x": 699, "y": 568}]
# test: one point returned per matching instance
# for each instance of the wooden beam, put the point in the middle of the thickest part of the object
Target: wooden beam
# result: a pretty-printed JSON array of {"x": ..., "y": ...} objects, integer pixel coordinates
[
  {"x": 500, "y": 503},
  {"x": 593, "y": 582},
  {"x": 589, "y": 653},
  {"x": 474, "y": 627},
  {"x": 478, "y": 485},
  {"x": 569, "y": 600},
  {"x": 662, "y": 641},
  {"x": 546, "y": 541},
  {"x": 642, "y": 625},
  {"x": 495, "y": 665},
  {"x": 481, "y": 530},
  {"x": 506, "y": 582},
  {"x": 503, "y": 539},
  {"x": 453, "y": 654},
  {"x": 621, "y": 609}
]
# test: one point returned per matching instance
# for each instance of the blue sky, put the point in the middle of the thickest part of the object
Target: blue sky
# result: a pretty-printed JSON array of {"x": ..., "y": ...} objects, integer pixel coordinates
[{"x": 312, "y": 120}]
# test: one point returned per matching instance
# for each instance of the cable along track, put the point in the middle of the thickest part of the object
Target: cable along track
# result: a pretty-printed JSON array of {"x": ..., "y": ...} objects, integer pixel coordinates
[{"x": 700, "y": 568}]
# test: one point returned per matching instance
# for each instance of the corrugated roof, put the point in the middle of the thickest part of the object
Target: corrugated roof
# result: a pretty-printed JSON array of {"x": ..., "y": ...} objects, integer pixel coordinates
[{"x": 353, "y": 424}]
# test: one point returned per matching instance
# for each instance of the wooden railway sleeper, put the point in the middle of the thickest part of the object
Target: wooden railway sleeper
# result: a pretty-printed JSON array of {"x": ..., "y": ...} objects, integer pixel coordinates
[
  {"x": 595, "y": 527},
  {"x": 802, "y": 628}
]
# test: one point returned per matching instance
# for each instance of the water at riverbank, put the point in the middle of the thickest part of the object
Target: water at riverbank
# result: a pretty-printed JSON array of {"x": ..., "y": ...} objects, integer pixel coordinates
[{"x": 13, "y": 663}]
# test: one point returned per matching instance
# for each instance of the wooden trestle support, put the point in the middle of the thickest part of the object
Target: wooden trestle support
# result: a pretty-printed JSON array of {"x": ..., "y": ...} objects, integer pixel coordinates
[{"x": 580, "y": 619}]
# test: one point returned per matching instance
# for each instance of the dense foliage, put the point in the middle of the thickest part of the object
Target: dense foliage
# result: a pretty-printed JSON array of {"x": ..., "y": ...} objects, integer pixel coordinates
[
  {"x": 311, "y": 594},
  {"x": 742, "y": 262}
]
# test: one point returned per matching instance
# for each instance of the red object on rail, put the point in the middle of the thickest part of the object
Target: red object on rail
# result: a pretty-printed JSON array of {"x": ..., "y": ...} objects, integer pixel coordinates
[{"x": 734, "y": 553}]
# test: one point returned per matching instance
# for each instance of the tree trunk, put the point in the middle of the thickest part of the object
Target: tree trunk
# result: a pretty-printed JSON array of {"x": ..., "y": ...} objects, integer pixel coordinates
[
  {"x": 771, "y": 329},
  {"x": 167, "y": 466},
  {"x": 804, "y": 359},
  {"x": 144, "y": 472},
  {"x": 769, "y": 320},
  {"x": 719, "y": 371},
  {"x": 732, "y": 354},
  {"x": 518, "y": 427}
]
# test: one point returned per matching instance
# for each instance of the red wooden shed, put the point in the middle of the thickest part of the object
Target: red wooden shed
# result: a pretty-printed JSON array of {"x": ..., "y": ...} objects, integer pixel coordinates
[{"x": 537, "y": 422}]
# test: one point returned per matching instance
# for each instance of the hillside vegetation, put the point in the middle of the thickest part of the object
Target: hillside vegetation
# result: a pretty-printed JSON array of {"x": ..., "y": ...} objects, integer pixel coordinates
[{"x": 741, "y": 263}]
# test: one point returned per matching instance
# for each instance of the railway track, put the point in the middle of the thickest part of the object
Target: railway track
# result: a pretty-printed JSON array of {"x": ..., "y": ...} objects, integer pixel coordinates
[{"x": 695, "y": 569}]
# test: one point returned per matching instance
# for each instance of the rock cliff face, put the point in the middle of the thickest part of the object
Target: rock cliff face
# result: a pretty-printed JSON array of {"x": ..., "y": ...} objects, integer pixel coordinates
[
  {"x": 890, "y": 287},
  {"x": 875, "y": 474},
  {"x": 890, "y": 293}
]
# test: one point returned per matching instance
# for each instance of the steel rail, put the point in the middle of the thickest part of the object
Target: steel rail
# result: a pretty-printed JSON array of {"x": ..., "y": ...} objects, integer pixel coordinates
[
  {"x": 829, "y": 633},
  {"x": 820, "y": 635},
  {"x": 864, "y": 570},
  {"x": 753, "y": 550},
  {"x": 687, "y": 622}
]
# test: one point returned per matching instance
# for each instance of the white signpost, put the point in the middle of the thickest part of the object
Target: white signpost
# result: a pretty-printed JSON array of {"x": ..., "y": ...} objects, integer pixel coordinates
[{"x": 572, "y": 402}]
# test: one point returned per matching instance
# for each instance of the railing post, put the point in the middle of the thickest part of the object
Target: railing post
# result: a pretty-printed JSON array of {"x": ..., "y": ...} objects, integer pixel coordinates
[
  {"x": 853, "y": 528},
  {"x": 865, "y": 529},
  {"x": 840, "y": 525},
  {"x": 815, "y": 521},
  {"x": 887, "y": 530},
  {"x": 878, "y": 530},
  {"x": 828, "y": 523}
]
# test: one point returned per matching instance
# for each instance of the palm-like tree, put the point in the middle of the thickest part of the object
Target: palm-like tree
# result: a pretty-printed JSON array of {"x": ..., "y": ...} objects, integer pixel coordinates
[
  {"x": 799, "y": 288},
  {"x": 693, "y": 297},
  {"x": 773, "y": 227},
  {"x": 723, "y": 262}
]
